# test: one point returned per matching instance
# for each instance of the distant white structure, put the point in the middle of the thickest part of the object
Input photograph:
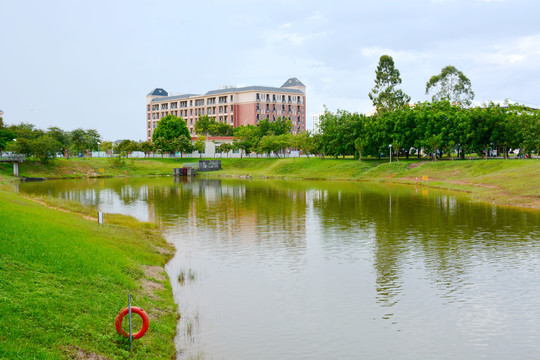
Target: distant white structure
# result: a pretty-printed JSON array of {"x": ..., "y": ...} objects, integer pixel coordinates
[{"x": 317, "y": 123}]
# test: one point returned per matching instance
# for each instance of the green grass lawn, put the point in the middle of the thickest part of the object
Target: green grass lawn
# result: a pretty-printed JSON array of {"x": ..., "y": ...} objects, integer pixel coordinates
[{"x": 63, "y": 279}]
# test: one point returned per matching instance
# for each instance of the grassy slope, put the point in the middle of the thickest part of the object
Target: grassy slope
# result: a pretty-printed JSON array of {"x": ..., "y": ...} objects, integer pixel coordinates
[
  {"x": 505, "y": 182},
  {"x": 63, "y": 279}
]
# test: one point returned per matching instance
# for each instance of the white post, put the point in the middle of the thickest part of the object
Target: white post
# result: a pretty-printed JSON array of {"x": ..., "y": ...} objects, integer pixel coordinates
[
  {"x": 130, "y": 333},
  {"x": 16, "y": 168}
]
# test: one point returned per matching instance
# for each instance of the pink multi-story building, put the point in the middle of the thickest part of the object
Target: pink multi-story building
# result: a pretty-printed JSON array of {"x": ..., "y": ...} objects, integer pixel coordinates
[{"x": 237, "y": 106}]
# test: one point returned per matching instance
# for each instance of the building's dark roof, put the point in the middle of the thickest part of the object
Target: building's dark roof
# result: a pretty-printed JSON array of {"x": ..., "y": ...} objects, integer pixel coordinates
[
  {"x": 158, "y": 92},
  {"x": 253, "y": 88},
  {"x": 292, "y": 82},
  {"x": 174, "y": 97}
]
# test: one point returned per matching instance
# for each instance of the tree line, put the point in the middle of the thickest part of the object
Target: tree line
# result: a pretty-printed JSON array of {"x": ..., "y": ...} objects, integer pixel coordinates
[
  {"x": 438, "y": 127},
  {"x": 44, "y": 145}
]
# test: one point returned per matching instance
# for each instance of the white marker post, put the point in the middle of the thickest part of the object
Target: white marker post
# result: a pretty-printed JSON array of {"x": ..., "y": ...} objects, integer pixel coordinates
[
  {"x": 130, "y": 336},
  {"x": 100, "y": 217}
]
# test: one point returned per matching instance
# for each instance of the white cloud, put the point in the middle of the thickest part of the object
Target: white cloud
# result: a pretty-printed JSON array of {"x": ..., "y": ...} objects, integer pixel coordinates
[{"x": 511, "y": 52}]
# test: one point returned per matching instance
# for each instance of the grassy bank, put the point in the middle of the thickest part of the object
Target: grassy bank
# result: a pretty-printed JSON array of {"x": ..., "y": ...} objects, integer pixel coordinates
[
  {"x": 63, "y": 279},
  {"x": 504, "y": 182}
]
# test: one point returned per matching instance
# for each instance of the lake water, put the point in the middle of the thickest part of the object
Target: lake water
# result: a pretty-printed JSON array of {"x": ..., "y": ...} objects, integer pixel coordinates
[{"x": 343, "y": 270}]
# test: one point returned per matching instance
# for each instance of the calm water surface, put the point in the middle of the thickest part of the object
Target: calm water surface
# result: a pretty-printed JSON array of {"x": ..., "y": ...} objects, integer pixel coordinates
[{"x": 316, "y": 270}]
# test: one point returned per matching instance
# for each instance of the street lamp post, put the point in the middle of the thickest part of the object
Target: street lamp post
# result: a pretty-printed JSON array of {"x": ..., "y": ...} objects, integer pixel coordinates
[
  {"x": 390, "y": 150},
  {"x": 98, "y": 148}
]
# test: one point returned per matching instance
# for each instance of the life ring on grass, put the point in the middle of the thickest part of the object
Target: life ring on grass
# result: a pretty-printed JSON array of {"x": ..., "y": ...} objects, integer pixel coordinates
[{"x": 136, "y": 310}]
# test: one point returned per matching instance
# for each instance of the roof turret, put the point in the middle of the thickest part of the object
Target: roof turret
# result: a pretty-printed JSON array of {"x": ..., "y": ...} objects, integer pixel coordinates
[
  {"x": 158, "y": 92},
  {"x": 292, "y": 82}
]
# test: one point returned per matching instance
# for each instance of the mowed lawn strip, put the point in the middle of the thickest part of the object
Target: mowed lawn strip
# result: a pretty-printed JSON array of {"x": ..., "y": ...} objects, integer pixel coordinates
[{"x": 63, "y": 279}]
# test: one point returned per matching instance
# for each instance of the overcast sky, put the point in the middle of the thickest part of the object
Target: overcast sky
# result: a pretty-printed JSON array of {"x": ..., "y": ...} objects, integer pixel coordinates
[{"x": 90, "y": 64}]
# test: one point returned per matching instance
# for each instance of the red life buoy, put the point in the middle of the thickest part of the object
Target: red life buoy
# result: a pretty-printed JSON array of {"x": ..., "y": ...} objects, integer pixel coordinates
[{"x": 135, "y": 310}]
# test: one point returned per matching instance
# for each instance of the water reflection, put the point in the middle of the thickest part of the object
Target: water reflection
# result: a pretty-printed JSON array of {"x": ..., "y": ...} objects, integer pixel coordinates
[{"x": 334, "y": 270}]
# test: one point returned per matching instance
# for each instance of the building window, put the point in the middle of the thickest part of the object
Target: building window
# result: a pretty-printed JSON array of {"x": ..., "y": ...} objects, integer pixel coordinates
[
  {"x": 267, "y": 108},
  {"x": 257, "y": 117},
  {"x": 258, "y": 97},
  {"x": 232, "y": 108},
  {"x": 232, "y": 98},
  {"x": 232, "y": 119},
  {"x": 274, "y": 108},
  {"x": 258, "y": 108}
]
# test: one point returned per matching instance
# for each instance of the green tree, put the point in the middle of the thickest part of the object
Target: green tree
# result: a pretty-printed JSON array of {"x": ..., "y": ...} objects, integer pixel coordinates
[
  {"x": 127, "y": 146},
  {"x": 452, "y": 85},
  {"x": 225, "y": 148},
  {"x": 92, "y": 139},
  {"x": 6, "y": 137},
  {"x": 281, "y": 126},
  {"x": 205, "y": 126},
  {"x": 45, "y": 148},
  {"x": 247, "y": 138},
  {"x": 79, "y": 140},
  {"x": 200, "y": 145},
  {"x": 106, "y": 146},
  {"x": 384, "y": 94},
  {"x": 182, "y": 145},
  {"x": 169, "y": 128},
  {"x": 305, "y": 142},
  {"x": 146, "y": 146},
  {"x": 63, "y": 138}
]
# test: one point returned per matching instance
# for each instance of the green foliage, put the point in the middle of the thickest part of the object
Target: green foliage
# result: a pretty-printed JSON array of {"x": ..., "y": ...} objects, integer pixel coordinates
[
  {"x": 200, "y": 145},
  {"x": 438, "y": 127},
  {"x": 384, "y": 94},
  {"x": 452, "y": 85},
  {"x": 147, "y": 146},
  {"x": 182, "y": 144},
  {"x": 83, "y": 140},
  {"x": 225, "y": 148},
  {"x": 168, "y": 129},
  {"x": 210, "y": 127},
  {"x": 45, "y": 148},
  {"x": 61, "y": 136},
  {"x": 6, "y": 136},
  {"x": 127, "y": 146},
  {"x": 106, "y": 146}
]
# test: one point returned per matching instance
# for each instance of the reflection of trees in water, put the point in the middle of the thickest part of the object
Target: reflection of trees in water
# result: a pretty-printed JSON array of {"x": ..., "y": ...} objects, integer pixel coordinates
[
  {"x": 446, "y": 236},
  {"x": 90, "y": 191},
  {"x": 257, "y": 212}
]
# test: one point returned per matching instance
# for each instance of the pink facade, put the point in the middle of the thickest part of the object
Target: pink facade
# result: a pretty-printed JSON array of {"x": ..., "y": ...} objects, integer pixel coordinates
[{"x": 234, "y": 106}]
